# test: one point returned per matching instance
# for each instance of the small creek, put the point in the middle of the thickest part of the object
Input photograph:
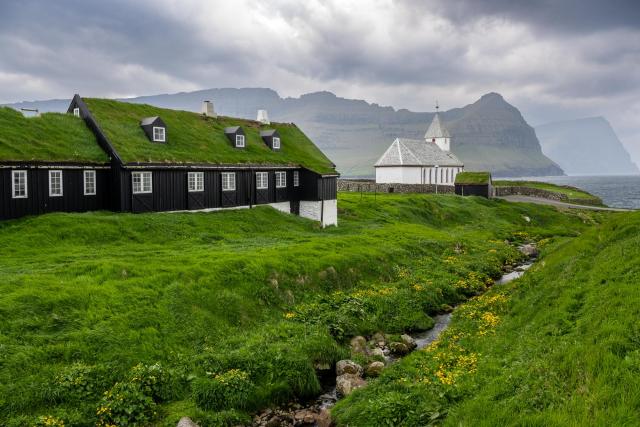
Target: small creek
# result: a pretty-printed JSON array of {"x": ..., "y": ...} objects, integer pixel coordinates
[{"x": 329, "y": 395}]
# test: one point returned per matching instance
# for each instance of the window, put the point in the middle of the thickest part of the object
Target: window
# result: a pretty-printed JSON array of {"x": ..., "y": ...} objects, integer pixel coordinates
[
  {"x": 195, "y": 181},
  {"x": 158, "y": 134},
  {"x": 76, "y": 112},
  {"x": 262, "y": 180},
  {"x": 89, "y": 183},
  {"x": 55, "y": 183},
  {"x": 281, "y": 179},
  {"x": 142, "y": 182},
  {"x": 19, "y": 184},
  {"x": 228, "y": 181},
  {"x": 240, "y": 141},
  {"x": 296, "y": 178},
  {"x": 276, "y": 143}
]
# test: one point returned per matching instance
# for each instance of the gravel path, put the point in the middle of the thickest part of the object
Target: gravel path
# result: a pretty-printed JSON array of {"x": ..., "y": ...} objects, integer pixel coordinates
[{"x": 539, "y": 201}]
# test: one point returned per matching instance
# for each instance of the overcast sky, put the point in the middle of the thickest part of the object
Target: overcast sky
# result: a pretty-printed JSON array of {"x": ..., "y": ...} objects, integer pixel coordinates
[{"x": 553, "y": 59}]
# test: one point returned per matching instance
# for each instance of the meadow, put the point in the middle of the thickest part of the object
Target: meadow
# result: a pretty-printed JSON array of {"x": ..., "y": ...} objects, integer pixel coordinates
[
  {"x": 122, "y": 319},
  {"x": 560, "y": 346}
]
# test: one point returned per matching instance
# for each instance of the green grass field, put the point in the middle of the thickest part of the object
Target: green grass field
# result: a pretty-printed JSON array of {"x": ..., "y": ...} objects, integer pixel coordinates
[
  {"x": 559, "y": 347},
  {"x": 573, "y": 194},
  {"x": 121, "y": 319}
]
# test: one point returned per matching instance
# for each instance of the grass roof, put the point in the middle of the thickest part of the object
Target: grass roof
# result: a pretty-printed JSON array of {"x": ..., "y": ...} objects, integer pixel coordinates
[
  {"x": 52, "y": 137},
  {"x": 193, "y": 138},
  {"x": 473, "y": 178}
]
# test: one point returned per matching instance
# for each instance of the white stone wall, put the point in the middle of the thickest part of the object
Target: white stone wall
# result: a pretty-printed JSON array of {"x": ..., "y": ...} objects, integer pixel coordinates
[
  {"x": 315, "y": 211},
  {"x": 282, "y": 206}
]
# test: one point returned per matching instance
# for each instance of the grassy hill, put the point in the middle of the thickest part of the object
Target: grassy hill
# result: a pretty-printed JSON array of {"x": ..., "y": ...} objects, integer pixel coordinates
[
  {"x": 129, "y": 319},
  {"x": 561, "y": 346}
]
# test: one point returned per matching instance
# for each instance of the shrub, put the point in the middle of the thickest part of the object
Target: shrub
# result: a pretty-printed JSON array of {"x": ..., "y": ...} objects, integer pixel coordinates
[
  {"x": 125, "y": 405},
  {"x": 232, "y": 389}
]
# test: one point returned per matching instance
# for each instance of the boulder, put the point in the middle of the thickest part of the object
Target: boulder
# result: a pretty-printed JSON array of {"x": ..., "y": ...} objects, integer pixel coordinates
[
  {"x": 374, "y": 369},
  {"x": 408, "y": 341},
  {"x": 348, "y": 367},
  {"x": 346, "y": 383},
  {"x": 186, "y": 422},
  {"x": 358, "y": 345},
  {"x": 379, "y": 339},
  {"x": 399, "y": 348},
  {"x": 323, "y": 419},
  {"x": 529, "y": 250},
  {"x": 377, "y": 352}
]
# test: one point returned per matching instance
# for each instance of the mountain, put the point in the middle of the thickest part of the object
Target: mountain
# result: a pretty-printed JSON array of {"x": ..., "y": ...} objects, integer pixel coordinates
[
  {"x": 489, "y": 134},
  {"x": 587, "y": 146}
]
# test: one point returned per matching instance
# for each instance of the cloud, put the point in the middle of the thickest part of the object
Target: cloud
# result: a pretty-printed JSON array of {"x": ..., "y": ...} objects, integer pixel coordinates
[{"x": 554, "y": 60}]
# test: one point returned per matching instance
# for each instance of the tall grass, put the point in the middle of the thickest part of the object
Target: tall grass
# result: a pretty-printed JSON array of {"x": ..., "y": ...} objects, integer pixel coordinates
[{"x": 86, "y": 298}]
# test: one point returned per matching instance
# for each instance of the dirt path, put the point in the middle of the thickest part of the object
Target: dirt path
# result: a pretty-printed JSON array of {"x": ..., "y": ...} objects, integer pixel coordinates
[{"x": 540, "y": 201}]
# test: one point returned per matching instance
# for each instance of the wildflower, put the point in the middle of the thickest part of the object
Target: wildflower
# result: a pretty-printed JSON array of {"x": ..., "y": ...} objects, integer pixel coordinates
[{"x": 289, "y": 315}]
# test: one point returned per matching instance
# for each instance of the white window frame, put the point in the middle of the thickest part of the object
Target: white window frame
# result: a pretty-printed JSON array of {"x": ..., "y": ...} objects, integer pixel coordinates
[
  {"x": 281, "y": 179},
  {"x": 163, "y": 133},
  {"x": 228, "y": 181},
  {"x": 58, "y": 175},
  {"x": 276, "y": 143},
  {"x": 76, "y": 112},
  {"x": 240, "y": 141},
  {"x": 195, "y": 182},
  {"x": 24, "y": 176},
  {"x": 89, "y": 175},
  {"x": 296, "y": 178},
  {"x": 143, "y": 178},
  {"x": 262, "y": 180}
]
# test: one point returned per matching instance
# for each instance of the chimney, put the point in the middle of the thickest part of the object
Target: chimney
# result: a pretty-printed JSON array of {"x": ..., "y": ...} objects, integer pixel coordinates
[
  {"x": 263, "y": 117},
  {"x": 207, "y": 109}
]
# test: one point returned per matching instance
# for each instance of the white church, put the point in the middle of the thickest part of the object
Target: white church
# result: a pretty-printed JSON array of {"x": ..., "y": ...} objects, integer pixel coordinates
[{"x": 415, "y": 161}]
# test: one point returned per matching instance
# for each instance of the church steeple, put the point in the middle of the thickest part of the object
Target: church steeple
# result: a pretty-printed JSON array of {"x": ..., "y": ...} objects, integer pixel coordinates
[{"x": 437, "y": 132}]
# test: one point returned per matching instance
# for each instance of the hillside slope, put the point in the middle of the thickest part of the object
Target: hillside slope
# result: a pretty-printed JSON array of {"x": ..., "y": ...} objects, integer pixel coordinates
[
  {"x": 492, "y": 134},
  {"x": 560, "y": 346},
  {"x": 120, "y": 319},
  {"x": 586, "y": 146}
]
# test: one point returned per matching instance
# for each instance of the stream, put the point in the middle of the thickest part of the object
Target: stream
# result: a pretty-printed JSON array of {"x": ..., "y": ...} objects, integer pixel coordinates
[{"x": 317, "y": 409}]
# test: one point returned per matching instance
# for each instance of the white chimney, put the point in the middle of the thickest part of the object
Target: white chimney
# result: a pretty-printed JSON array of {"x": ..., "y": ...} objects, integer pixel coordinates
[
  {"x": 263, "y": 117},
  {"x": 207, "y": 109}
]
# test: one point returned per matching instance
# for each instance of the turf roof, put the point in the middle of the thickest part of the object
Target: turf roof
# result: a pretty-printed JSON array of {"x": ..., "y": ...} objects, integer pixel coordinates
[
  {"x": 195, "y": 139},
  {"x": 52, "y": 137},
  {"x": 473, "y": 178}
]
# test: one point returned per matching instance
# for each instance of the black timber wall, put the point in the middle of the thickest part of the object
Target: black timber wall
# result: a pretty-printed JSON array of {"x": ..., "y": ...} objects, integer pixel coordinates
[
  {"x": 170, "y": 191},
  {"x": 39, "y": 201},
  {"x": 315, "y": 187},
  {"x": 483, "y": 190}
]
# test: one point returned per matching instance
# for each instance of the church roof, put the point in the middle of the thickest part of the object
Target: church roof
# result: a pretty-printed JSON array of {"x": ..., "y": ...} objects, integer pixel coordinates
[
  {"x": 436, "y": 129},
  {"x": 415, "y": 152}
]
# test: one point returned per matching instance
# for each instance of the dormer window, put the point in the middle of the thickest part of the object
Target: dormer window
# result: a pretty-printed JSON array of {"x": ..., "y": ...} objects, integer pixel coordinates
[
  {"x": 158, "y": 134},
  {"x": 236, "y": 136},
  {"x": 271, "y": 137},
  {"x": 155, "y": 129},
  {"x": 240, "y": 141}
]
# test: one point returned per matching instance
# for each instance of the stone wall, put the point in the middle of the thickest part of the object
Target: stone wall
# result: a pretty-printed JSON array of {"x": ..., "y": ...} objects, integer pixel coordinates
[
  {"x": 325, "y": 211},
  {"x": 370, "y": 186}
]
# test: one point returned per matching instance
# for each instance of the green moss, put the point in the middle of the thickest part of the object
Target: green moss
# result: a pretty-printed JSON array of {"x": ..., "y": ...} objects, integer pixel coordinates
[
  {"x": 50, "y": 137},
  {"x": 193, "y": 138},
  {"x": 473, "y": 178}
]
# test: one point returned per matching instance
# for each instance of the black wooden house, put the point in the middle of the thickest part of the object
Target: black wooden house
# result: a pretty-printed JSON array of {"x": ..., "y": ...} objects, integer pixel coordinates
[{"x": 143, "y": 159}]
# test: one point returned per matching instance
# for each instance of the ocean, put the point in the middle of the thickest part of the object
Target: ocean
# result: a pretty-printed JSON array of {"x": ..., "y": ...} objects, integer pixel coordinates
[{"x": 622, "y": 191}]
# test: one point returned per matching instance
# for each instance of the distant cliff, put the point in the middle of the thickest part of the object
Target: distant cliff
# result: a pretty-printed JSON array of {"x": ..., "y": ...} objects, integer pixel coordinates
[
  {"x": 490, "y": 134},
  {"x": 587, "y": 146}
]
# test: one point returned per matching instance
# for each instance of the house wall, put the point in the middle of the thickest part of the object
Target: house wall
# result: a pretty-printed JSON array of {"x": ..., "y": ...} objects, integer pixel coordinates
[
  {"x": 170, "y": 190},
  {"x": 39, "y": 201},
  {"x": 417, "y": 175}
]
